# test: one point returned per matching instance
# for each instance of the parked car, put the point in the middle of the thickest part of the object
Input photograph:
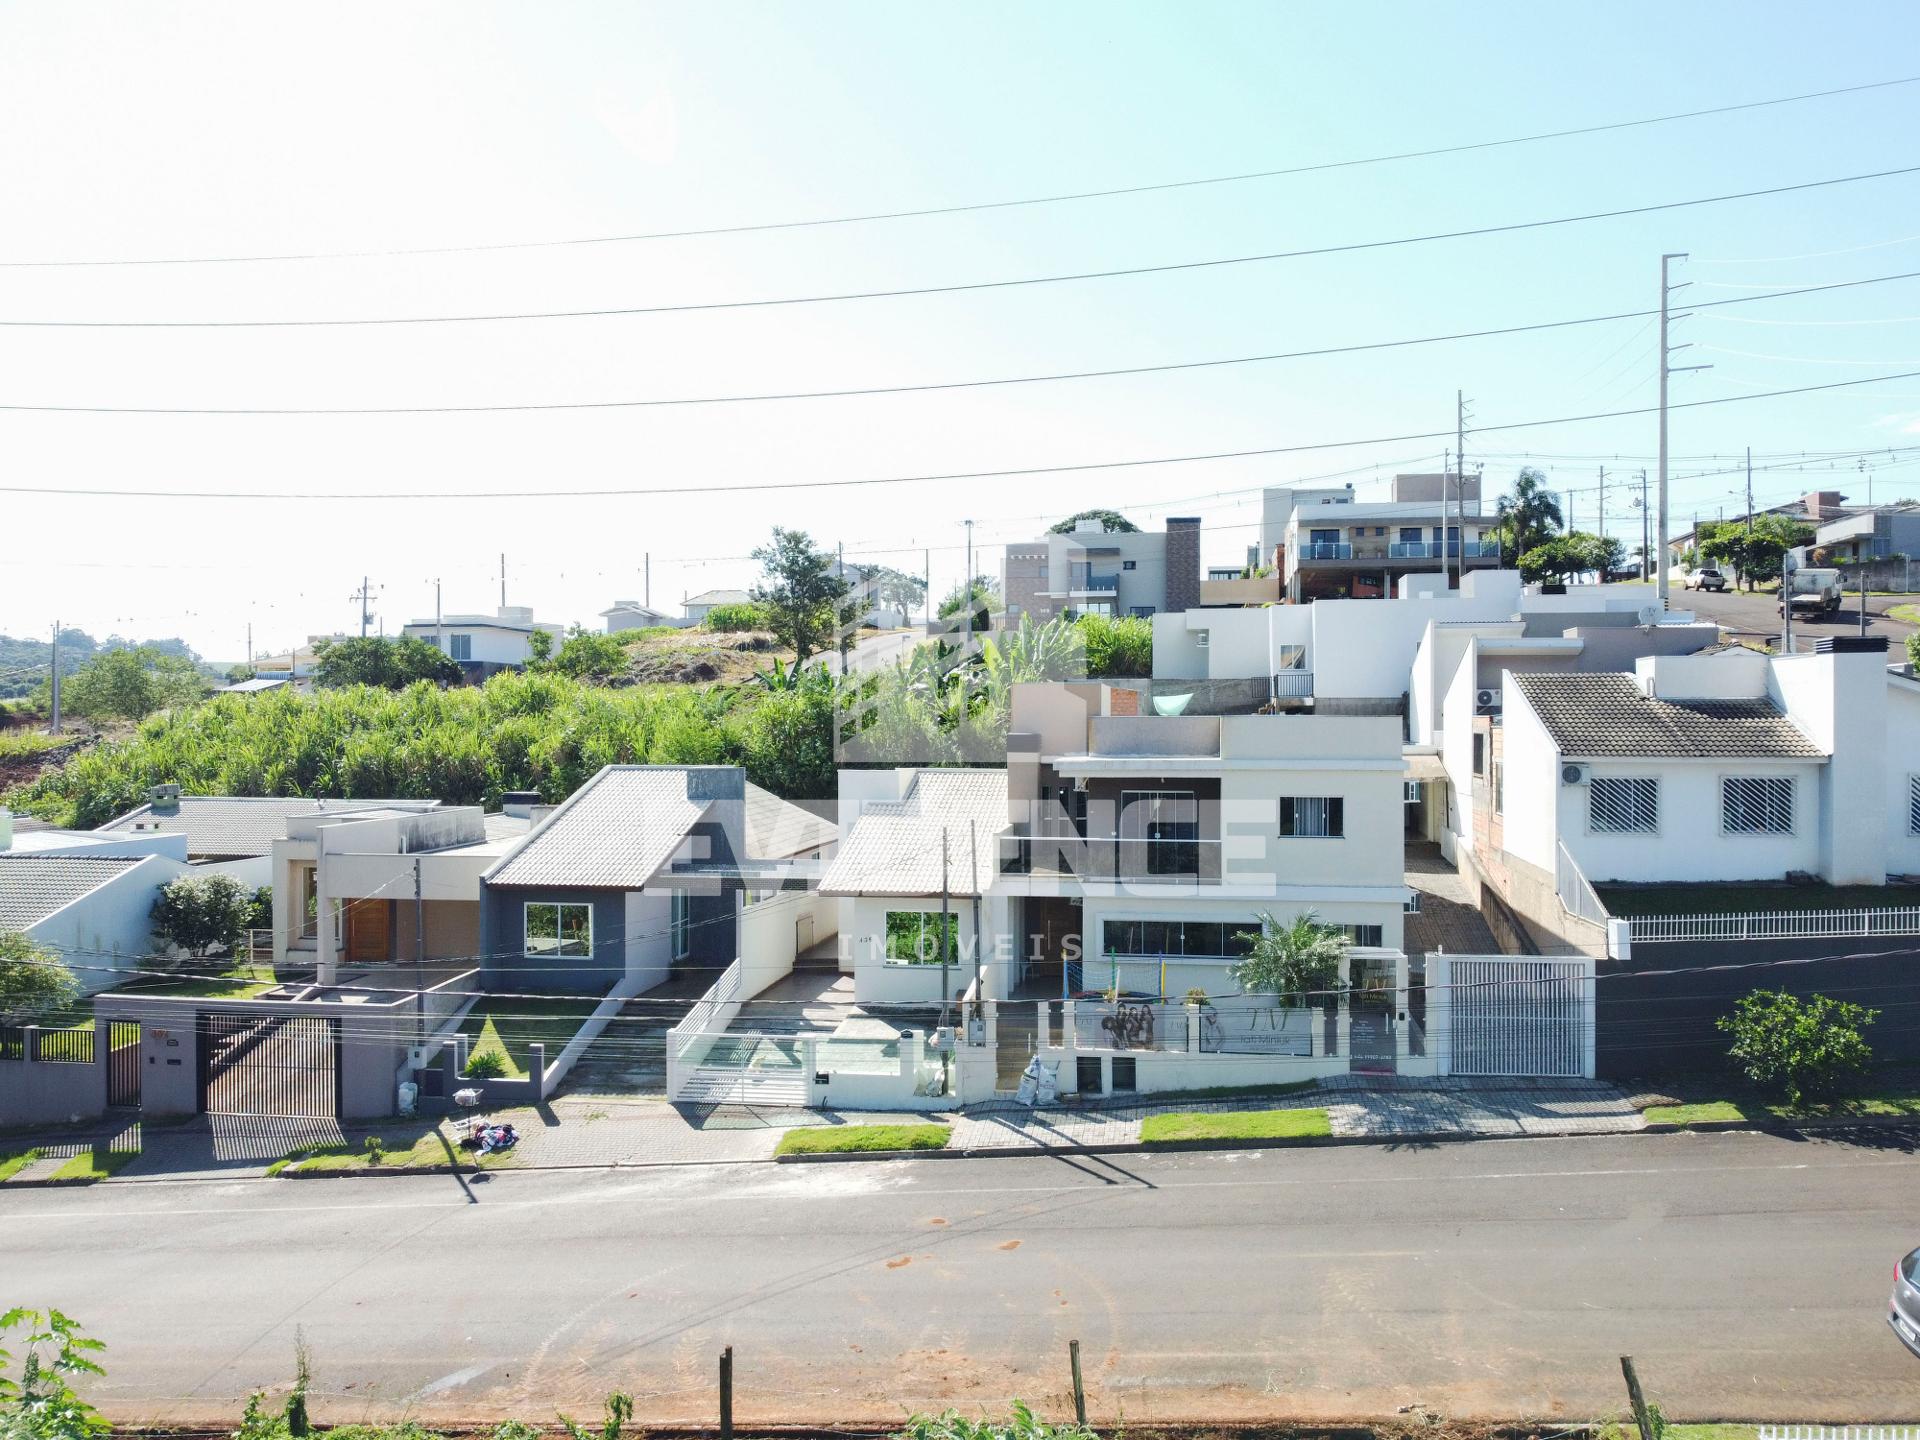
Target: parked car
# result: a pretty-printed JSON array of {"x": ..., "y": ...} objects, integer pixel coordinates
[
  {"x": 1903, "y": 1314},
  {"x": 1707, "y": 579}
]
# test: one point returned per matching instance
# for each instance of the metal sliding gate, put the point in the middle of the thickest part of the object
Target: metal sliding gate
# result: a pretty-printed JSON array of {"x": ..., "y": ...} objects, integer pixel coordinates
[
  {"x": 1518, "y": 1016},
  {"x": 286, "y": 1066},
  {"x": 123, "y": 1063}
]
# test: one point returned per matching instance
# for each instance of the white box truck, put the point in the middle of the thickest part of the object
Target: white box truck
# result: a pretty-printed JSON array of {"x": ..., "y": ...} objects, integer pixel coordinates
[{"x": 1814, "y": 593}]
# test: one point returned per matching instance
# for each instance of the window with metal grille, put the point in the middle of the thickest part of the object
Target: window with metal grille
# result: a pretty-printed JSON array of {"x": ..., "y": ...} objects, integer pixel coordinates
[
  {"x": 1913, "y": 804},
  {"x": 1756, "y": 804},
  {"x": 1313, "y": 817},
  {"x": 1619, "y": 804}
]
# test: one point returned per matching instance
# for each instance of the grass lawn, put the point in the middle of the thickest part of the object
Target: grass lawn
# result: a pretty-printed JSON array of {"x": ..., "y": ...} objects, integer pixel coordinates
[
  {"x": 1236, "y": 1092},
  {"x": 240, "y": 982},
  {"x": 1235, "y": 1125},
  {"x": 1708, "y": 1112},
  {"x": 840, "y": 1139},
  {"x": 1629, "y": 900},
  {"x": 432, "y": 1148},
  {"x": 12, "y": 1162},
  {"x": 506, "y": 1027},
  {"x": 1908, "y": 614},
  {"x": 95, "y": 1164}
]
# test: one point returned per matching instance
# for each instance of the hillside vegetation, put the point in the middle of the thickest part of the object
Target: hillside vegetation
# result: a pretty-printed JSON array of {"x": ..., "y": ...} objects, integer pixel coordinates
[{"x": 542, "y": 732}]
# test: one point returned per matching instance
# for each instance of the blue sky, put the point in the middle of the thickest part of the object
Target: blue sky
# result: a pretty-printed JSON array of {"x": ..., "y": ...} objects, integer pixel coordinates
[{"x": 180, "y": 131}]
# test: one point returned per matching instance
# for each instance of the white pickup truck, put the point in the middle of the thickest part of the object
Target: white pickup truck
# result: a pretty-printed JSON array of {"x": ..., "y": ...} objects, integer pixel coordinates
[{"x": 1811, "y": 592}]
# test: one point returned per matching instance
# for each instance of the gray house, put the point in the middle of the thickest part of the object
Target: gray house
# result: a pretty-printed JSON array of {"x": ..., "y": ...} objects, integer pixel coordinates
[{"x": 635, "y": 878}]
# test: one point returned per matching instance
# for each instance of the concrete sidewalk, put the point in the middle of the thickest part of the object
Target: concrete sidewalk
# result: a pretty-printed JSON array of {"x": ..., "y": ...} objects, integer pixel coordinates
[{"x": 586, "y": 1133}]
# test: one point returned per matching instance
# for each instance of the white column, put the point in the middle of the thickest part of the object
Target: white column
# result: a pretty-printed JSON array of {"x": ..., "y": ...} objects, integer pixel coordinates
[{"x": 325, "y": 954}]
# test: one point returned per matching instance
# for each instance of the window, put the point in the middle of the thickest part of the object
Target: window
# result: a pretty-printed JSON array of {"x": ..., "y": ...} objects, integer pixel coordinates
[
  {"x": 1128, "y": 564},
  {"x": 1411, "y": 905},
  {"x": 1410, "y": 791},
  {"x": 1623, "y": 804},
  {"x": 1167, "y": 824},
  {"x": 460, "y": 647},
  {"x": 1410, "y": 534},
  {"x": 1913, "y": 804},
  {"x": 1756, "y": 804},
  {"x": 559, "y": 930},
  {"x": 1479, "y": 752},
  {"x": 1312, "y": 817},
  {"x": 1367, "y": 935},
  {"x": 1197, "y": 939},
  {"x": 917, "y": 937},
  {"x": 680, "y": 924},
  {"x": 1141, "y": 612},
  {"x": 1324, "y": 537}
]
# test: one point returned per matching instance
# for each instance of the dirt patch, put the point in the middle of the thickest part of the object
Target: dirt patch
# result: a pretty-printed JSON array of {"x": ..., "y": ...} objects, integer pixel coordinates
[{"x": 702, "y": 657}]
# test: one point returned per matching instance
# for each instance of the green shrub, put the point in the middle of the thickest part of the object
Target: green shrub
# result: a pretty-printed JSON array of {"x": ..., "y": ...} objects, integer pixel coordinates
[
  {"x": 1117, "y": 646},
  {"x": 376, "y": 1148},
  {"x": 1913, "y": 650},
  {"x": 1023, "y": 1424},
  {"x": 484, "y": 1065},
  {"x": 1798, "y": 1048},
  {"x": 747, "y": 616}
]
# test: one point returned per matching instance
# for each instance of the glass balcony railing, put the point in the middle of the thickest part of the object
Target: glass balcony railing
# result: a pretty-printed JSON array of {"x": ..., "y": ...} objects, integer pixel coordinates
[
  {"x": 1106, "y": 857},
  {"x": 1326, "y": 550}
]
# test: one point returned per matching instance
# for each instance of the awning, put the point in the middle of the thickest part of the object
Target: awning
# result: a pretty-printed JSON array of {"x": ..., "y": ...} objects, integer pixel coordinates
[{"x": 1425, "y": 767}]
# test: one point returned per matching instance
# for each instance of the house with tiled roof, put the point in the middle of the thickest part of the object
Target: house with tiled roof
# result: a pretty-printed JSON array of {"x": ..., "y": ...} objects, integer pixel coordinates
[{"x": 89, "y": 904}]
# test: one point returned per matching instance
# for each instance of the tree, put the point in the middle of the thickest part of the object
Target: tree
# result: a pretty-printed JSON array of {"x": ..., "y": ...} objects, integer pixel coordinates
[
  {"x": 1111, "y": 520},
  {"x": 539, "y": 647},
  {"x": 1755, "y": 551},
  {"x": 33, "y": 979},
  {"x": 1798, "y": 1048},
  {"x": 1300, "y": 962},
  {"x": 985, "y": 591},
  {"x": 130, "y": 684},
  {"x": 588, "y": 656},
  {"x": 799, "y": 589},
  {"x": 1529, "y": 515},
  {"x": 203, "y": 914},
  {"x": 897, "y": 590},
  {"x": 376, "y": 660}
]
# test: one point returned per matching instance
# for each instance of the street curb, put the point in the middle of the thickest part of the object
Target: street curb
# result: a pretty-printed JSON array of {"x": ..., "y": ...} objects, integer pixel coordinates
[
  {"x": 1173, "y": 1147},
  {"x": 1784, "y": 1127}
]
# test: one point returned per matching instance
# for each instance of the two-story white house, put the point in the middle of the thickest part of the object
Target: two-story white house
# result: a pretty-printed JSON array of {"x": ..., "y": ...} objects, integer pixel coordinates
[{"x": 484, "y": 644}]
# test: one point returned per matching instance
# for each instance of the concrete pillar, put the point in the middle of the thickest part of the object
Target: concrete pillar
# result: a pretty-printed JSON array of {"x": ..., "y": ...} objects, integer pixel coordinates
[
  {"x": 1193, "y": 1029},
  {"x": 993, "y": 1023},
  {"x": 537, "y": 1069},
  {"x": 1042, "y": 1030},
  {"x": 1069, "y": 1037},
  {"x": 325, "y": 954}
]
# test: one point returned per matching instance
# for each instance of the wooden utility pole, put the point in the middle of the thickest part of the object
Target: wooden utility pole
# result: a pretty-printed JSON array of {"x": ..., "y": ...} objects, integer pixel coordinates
[
  {"x": 726, "y": 1394},
  {"x": 1080, "y": 1390},
  {"x": 1636, "y": 1399}
]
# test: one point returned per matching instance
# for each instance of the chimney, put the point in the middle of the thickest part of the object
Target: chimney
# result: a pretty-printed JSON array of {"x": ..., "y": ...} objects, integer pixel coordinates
[
  {"x": 164, "y": 799},
  {"x": 1843, "y": 708},
  {"x": 1183, "y": 562},
  {"x": 519, "y": 803}
]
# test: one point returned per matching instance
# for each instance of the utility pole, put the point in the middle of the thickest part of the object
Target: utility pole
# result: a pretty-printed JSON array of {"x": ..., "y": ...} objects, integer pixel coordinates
[
  {"x": 54, "y": 727},
  {"x": 249, "y": 645},
  {"x": 926, "y": 598},
  {"x": 1600, "y": 510},
  {"x": 365, "y": 599},
  {"x": 967, "y": 652},
  {"x": 1646, "y": 540},
  {"x": 973, "y": 842},
  {"x": 840, "y": 573},
  {"x": 1460, "y": 477},
  {"x": 945, "y": 905},
  {"x": 646, "y": 581},
  {"x": 419, "y": 959},
  {"x": 439, "y": 625},
  {"x": 503, "y": 579},
  {"x": 1668, "y": 369},
  {"x": 1446, "y": 468}
]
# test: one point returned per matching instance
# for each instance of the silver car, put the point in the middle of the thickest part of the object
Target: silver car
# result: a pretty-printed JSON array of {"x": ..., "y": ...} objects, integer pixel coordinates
[{"x": 1903, "y": 1314}]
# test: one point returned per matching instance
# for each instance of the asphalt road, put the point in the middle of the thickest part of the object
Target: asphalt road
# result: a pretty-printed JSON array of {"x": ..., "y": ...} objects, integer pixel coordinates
[
  {"x": 1747, "y": 1274},
  {"x": 1755, "y": 616}
]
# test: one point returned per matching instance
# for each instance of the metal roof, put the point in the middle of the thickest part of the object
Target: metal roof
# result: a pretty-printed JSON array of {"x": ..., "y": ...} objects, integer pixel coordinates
[
  {"x": 1604, "y": 715},
  {"x": 895, "y": 847},
  {"x": 32, "y": 887},
  {"x": 616, "y": 831},
  {"x": 231, "y": 827}
]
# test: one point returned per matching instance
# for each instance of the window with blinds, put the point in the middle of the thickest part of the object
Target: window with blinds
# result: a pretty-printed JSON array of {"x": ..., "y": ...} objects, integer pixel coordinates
[
  {"x": 1623, "y": 804},
  {"x": 1756, "y": 804},
  {"x": 1913, "y": 804},
  {"x": 1312, "y": 817}
]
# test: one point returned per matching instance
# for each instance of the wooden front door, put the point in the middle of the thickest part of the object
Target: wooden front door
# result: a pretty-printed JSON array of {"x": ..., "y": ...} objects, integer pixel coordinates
[{"x": 369, "y": 931}]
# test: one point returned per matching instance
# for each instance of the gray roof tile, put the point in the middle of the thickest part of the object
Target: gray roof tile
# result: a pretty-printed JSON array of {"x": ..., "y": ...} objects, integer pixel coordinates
[
  {"x": 32, "y": 887},
  {"x": 894, "y": 848},
  {"x": 1607, "y": 715},
  {"x": 615, "y": 831}
]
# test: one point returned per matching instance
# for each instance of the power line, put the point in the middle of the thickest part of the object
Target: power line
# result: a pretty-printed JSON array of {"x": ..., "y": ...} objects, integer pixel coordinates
[
  {"x": 871, "y": 390},
  {"x": 769, "y": 486},
  {"x": 1056, "y": 199},
  {"x": 968, "y": 286}
]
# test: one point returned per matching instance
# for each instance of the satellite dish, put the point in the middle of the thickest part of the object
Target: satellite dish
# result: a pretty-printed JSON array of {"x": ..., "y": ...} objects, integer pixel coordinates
[{"x": 1649, "y": 615}]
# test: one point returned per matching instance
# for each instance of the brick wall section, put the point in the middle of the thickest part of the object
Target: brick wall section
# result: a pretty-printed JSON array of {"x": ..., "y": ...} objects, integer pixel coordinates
[{"x": 1183, "y": 562}]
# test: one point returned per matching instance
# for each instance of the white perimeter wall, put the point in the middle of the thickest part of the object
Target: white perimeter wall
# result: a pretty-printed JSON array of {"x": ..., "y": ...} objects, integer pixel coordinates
[{"x": 1903, "y": 766}]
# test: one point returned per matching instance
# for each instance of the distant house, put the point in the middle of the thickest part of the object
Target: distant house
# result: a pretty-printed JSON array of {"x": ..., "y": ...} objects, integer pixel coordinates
[
  {"x": 632, "y": 615},
  {"x": 697, "y": 606},
  {"x": 259, "y": 685},
  {"x": 484, "y": 644},
  {"x": 86, "y": 899}
]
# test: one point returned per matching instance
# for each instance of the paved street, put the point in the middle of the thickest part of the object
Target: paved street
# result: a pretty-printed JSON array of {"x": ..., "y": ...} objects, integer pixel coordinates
[
  {"x": 1748, "y": 1274},
  {"x": 1754, "y": 616}
]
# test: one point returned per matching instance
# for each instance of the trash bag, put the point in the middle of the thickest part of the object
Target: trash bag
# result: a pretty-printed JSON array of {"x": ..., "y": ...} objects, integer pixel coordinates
[{"x": 1029, "y": 1090}]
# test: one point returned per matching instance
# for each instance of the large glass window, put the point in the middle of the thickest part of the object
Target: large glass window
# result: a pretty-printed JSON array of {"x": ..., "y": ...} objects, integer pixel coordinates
[
  {"x": 563, "y": 930},
  {"x": 459, "y": 647},
  {"x": 1312, "y": 817},
  {"x": 1167, "y": 824},
  {"x": 1623, "y": 804},
  {"x": 1756, "y": 804},
  {"x": 922, "y": 937},
  {"x": 1198, "y": 939}
]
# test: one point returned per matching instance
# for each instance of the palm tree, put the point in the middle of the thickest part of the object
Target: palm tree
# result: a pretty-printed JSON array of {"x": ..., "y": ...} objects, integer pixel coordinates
[
  {"x": 1297, "y": 961},
  {"x": 1529, "y": 515}
]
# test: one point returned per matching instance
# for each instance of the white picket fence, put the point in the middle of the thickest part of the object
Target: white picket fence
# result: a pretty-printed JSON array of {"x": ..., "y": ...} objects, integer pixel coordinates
[{"x": 1777, "y": 925}]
